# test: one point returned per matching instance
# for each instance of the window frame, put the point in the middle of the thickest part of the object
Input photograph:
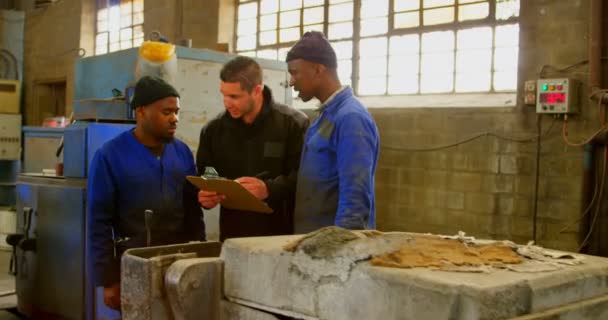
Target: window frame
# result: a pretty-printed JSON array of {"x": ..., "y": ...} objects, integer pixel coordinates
[
  {"x": 132, "y": 25},
  {"x": 454, "y": 26}
]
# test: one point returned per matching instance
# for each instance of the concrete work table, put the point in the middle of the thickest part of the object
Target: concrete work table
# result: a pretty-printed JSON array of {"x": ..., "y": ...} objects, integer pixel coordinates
[{"x": 259, "y": 273}]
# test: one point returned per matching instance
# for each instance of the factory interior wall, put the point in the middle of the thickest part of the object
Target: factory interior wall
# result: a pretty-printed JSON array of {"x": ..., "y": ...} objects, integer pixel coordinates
[{"x": 485, "y": 187}]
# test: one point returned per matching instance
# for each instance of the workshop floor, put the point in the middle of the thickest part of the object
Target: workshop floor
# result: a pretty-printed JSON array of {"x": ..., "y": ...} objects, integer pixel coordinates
[{"x": 8, "y": 300}]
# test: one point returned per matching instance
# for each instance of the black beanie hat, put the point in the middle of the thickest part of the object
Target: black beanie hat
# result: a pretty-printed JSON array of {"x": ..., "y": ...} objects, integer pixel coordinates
[
  {"x": 313, "y": 47},
  {"x": 150, "y": 89}
]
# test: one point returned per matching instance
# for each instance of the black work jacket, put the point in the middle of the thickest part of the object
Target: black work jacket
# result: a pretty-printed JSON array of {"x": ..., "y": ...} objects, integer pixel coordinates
[{"x": 272, "y": 145}]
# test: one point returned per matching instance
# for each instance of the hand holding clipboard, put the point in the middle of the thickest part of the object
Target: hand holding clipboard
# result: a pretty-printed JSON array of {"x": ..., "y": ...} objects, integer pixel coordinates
[{"x": 236, "y": 196}]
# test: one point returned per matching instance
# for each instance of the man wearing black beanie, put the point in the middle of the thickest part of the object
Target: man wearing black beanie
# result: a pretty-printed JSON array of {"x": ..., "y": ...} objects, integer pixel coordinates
[
  {"x": 139, "y": 170},
  {"x": 336, "y": 177}
]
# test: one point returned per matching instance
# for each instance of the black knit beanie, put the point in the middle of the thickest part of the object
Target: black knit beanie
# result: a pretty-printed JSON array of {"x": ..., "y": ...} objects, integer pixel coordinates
[
  {"x": 313, "y": 47},
  {"x": 150, "y": 89}
]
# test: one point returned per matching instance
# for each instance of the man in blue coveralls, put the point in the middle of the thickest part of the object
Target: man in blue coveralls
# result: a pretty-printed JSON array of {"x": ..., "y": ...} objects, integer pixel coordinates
[
  {"x": 336, "y": 178},
  {"x": 139, "y": 170}
]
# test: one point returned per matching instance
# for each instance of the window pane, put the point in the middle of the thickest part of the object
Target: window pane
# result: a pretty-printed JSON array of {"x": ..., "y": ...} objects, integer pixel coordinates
[
  {"x": 405, "y": 5},
  {"x": 138, "y": 18},
  {"x": 314, "y": 27},
  {"x": 114, "y": 21},
  {"x": 268, "y": 54},
  {"x": 374, "y": 47},
  {"x": 291, "y": 34},
  {"x": 114, "y": 47},
  {"x": 339, "y": 1},
  {"x": 138, "y": 32},
  {"x": 268, "y": 22},
  {"x": 341, "y": 12},
  {"x": 311, "y": 3},
  {"x": 283, "y": 53},
  {"x": 504, "y": 81},
  {"x": 403, "y": 84},
  {"x": 103, "y": 14},
  {"x": 437, "y": 3},
  {"x": 114, "y": 36},
  {"x": 507, "y": 36},
  {"x": 438, "y": 41},
  {"x": 403, "y": 65},
  {"x": 408, "y": 44},
  {"x": 437, "y": 63},
  {"x": 372, "y": 86},
  {"x": 473, "y": 82},
  {"x": 372, "y": 67},
  {"x": 438, "y": 16},
  {"x": 101, "y": 50},
  {"x": 475, "y": 38},
  {"x": 290, "y": 19},
  {"x": 248, "y": 11},
  {"x": 248, "y": 54},
  {"x": 436, "y": 82},
  {"x": 290, "y": 4},
  {"x": 126, "y": 34},
  {"x": 407, "y": 20},
  {"x": 125, "y": 21},
  {"x": 476, "y": 60},
  {"x": 505, "y": 59},
  {"x": 374, "y": 8},
  {"x": 374, "y": 26},
  {"x": 101, "y": 40},
  {"x": 137, "y": 42},
  {"x": 125, "y": 44},
  {"x": 506, "y": 9},
  {"x": 125, "y": 8},
  {"x": 246, "y": 27},
  {"x": 345, "y": 70},
  {"x": 245, "y": 43},
  {"x": 314, "y": 15},
  {"x": 343, "y": 49},
  {"x": 138, "y": 5},
  {"x": 102, "y": 25},
  {"x": 468, "y": 1},
  {"x": 268, "y": 37},
  {"x": 473, "y": 11},
  {"x": 269, "y": 6},
  {"x": 340, "y": 30}
]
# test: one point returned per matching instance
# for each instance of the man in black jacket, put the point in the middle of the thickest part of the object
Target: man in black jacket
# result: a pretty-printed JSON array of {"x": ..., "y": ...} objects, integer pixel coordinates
[{"x": 257, "y": 142}]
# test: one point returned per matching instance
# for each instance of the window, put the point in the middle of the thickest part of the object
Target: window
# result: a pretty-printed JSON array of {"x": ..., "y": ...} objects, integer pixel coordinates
[
  {"x": 119, "y": 25},
  {"x": 390, "y": 47}
]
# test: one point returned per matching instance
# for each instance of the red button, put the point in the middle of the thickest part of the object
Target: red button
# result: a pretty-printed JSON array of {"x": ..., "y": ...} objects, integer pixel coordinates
[{"x": 560, "y": 87}]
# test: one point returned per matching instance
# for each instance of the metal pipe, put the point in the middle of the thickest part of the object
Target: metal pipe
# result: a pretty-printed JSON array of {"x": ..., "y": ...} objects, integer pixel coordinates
[
  {"x": 587, "y": 192},
  {"x": 595, "y": 45}
]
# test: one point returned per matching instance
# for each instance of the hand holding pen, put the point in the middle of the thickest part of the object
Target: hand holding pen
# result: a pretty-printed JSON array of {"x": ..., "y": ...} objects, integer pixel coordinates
[{"x": 255, "y": 185}]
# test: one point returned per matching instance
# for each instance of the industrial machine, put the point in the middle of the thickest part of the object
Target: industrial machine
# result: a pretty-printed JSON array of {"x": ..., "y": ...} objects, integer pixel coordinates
[{"x": 52, "y": 280}]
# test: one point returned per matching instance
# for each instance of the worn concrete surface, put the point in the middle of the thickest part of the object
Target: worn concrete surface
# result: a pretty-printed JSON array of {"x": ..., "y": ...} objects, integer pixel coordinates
[
  {"x": 368, "y": 292},
  {"x": 590, "y": 309},
  {"x": 234, "y": 311}
]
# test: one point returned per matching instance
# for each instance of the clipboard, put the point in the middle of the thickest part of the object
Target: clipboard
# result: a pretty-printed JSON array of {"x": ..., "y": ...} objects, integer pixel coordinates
[{"x": 237, "y": 197}]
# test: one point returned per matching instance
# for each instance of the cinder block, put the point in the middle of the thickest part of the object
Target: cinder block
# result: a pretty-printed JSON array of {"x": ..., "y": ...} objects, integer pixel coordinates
[
  {"x": 498, "y": 183},
  {"x": 480, "y": 203},
  {"x": 462, "y": 181}
]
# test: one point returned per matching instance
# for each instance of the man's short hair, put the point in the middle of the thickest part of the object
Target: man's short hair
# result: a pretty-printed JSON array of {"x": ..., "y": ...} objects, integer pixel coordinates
[{"x": 243, "y": 70}]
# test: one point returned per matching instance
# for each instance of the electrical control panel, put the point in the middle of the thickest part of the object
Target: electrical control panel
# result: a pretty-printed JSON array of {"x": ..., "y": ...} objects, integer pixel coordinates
[{"x": 557, "y": 96}]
